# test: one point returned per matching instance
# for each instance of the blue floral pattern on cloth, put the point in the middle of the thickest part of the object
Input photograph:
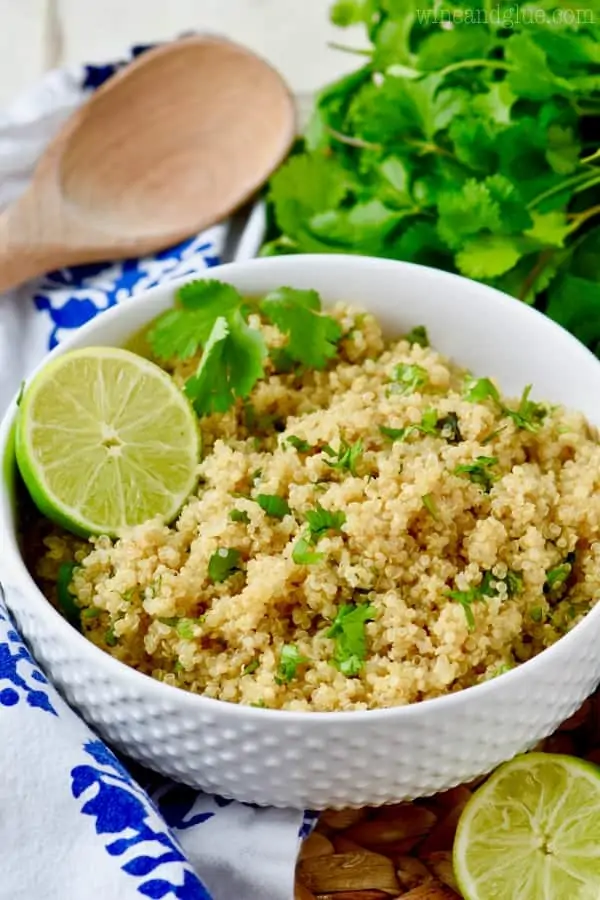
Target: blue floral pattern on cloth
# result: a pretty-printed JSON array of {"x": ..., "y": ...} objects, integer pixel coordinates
[
  {"x": 309, "y": 820},
  {"x": 176, "y": 802},
  {"x": 123, "y": 810},
  {"x": 95, "y": 76},
  {"x": 73, "y": 296},
  {"x": 19, "y": 670}
]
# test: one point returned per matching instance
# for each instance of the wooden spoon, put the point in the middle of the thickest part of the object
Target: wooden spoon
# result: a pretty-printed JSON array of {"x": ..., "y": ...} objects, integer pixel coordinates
[{"x": 171, "y": 144}]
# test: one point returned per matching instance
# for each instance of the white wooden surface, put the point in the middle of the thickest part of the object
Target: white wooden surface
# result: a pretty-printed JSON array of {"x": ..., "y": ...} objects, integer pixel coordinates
[{"x": 293, "y": 34}]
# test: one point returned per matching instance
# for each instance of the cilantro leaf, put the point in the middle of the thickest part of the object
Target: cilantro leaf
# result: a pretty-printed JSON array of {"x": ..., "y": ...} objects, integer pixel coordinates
[
  {"x": 418, "y": 335},
  {"x": 532, "y": 78},
  {"x": 273, "y": 505},
  {"x": 324, "y": 186},
  {"x": 185, "y": 629},
  {"x": 363, "y": 226},
  {"x": 464, "y": 213},
  {"x": 66, "y": 600},
  {"x": 347, "y": 12},
  {"x": 320, "y": 521},
  {"x": 110, "y": 638},
  {"x": 521, "y": 147},
  {"x": 550, "y": 228},
  {"x": 431, "y": 506},
  {"x": 395, "y": 434},
  {"x": 555, "y": 578},
  {"x": 489, "y": 255},
  {"x": 529, "y": 416},
  {"x": 421, "y": 243},
  {"x": 402, "y": 108},
  {"x": 304, "y": 555},
  {"x": 514, "y": 215},
  {"x": 442, "y": 48},
  {"x": 223, "y": 563},
  {"x": 299, "y": 444},
  {"x": 428, "y": 423},
  {"x": 239, "y": 515},
  {"x": 396, "y": 172},
  {"x": 474, "y": 142},
  {"x": 348, "y": 631},
  {"x": 346, "y": 457},
  {"x": 232, "y": 362},
  {"x": 564, "y": 149},
  {"x": 574, "y": 303},
  {"x": 480, "y": 389},
  {"x": 331, "y": 107},
  {"x": 91, "y": 612},
  {"x": 283, "y": 363},
  {"x": 312, "y": 336},
  {"x": 289, "y": 661},
  {"x": 479, "y": 471},
  {"x": 210, "y": 296},
  {"x": 513, "y": 582},
  {"x": 409, "y": 378},
  {"x": 495, "y": 103},
  {"x": 446, "y": 427},
  {"x": 466, "y": 600},
  {"x": 181, "y": 332}
]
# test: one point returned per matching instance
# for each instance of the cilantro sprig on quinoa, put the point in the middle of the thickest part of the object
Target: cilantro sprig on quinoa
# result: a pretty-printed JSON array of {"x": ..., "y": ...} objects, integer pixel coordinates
[
  {"x": 213, "y": 317},
  {"x": 528, "y": 416}
]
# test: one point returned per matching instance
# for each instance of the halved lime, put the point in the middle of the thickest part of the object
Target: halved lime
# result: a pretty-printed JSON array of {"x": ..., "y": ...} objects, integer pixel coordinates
[
  {"x": 106, "y": 440},
  {"x": 532, "y": 832}
]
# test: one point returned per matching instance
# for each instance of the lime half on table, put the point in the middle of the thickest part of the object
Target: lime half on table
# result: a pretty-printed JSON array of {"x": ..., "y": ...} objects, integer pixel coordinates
[
  {"x": 532, "y": 832},
  {"x": 106, "y": 440}
]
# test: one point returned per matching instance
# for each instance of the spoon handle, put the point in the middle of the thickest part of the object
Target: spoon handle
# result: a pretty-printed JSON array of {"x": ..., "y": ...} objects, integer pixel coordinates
[{"x": 21, "y": 256}]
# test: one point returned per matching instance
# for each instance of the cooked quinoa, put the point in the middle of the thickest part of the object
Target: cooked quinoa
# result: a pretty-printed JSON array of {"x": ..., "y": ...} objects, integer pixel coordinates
[{"x": 325, "y": 564}]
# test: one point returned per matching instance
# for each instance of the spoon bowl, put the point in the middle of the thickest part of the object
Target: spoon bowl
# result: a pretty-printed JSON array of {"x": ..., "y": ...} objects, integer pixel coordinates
[{"x": 170, "y": 145}]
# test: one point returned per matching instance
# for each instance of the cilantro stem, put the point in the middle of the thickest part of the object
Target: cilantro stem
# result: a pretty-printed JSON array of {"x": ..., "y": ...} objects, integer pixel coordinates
[
  {"x": 580, "y": 218},
  {"x": 423, "y": 146},
  {"x": 356, "y": 51},
  {"x": 352, "y": 141},
  {"x": 429, "y": 147},
  {"x": 590, "y": 159},
  {"x": 587, "y": 185},
  {"x": 586, "y": 110},
  {"x": 544, "y": 259},
  {"x": 568, "y": 183},
  {"x": 475, "y": 64}
]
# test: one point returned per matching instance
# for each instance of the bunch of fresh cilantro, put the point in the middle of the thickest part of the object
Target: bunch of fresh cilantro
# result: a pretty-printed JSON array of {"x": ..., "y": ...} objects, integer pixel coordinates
[{"x": 468, "y": 141}]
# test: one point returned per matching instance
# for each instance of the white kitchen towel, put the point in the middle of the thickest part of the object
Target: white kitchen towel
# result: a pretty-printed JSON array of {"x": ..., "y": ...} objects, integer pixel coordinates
[{"x": 75, "y": 821}]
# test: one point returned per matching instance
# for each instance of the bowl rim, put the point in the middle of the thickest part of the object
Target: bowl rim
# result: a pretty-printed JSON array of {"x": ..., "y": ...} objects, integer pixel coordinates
[{"x": 140, "y": 683}]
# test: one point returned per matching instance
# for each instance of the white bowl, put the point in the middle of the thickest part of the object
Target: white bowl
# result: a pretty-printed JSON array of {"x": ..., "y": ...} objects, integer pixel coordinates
[{"x": 333, "y": 759}]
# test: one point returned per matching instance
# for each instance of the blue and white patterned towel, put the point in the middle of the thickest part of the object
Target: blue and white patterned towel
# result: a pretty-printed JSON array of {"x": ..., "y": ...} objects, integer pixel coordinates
[{"x": 74, "y": 824}]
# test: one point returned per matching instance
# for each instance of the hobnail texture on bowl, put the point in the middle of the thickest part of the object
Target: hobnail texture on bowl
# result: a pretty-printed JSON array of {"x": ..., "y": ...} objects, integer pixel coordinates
[{"x": 319, "y": 760}]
